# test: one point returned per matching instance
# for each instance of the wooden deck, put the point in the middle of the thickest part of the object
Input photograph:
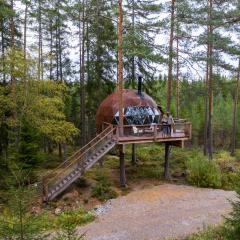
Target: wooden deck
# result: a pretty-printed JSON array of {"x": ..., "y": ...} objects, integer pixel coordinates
[
  {"x": 147, "y": 134},
  {"x": 151, "y": 138}
]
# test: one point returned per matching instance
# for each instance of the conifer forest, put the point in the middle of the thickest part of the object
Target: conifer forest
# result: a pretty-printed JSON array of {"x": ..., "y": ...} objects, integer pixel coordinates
[{"x": 59, "y": 60}]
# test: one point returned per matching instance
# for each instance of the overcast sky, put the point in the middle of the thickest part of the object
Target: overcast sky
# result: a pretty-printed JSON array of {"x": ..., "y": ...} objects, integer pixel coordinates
[{"x": 195, "y": 71}]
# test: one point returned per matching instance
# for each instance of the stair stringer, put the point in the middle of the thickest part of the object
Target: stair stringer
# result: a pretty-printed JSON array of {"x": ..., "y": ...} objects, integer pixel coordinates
[{"x": 53, "y": 194}]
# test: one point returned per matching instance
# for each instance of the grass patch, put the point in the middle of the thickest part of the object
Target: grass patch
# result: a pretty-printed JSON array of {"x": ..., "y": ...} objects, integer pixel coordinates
[
  {"x": 203, "y": 173},
  {"x": 211, "y": 233},
  {"x": 103, "y": 189},
  {"x": 76, "y": 217},
  {"x": 67, "y": 222}
]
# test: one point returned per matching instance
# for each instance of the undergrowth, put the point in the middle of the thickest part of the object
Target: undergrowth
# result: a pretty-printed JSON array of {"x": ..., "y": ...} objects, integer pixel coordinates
[{"x": 103, "y": 189}]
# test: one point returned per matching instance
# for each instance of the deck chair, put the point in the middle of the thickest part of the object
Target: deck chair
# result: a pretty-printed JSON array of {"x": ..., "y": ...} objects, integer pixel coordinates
[{"x": 135, "y": 130}]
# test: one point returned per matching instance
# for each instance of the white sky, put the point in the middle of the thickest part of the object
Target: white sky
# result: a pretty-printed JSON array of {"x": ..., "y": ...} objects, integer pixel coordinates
[{"x": 161, "y": 39}]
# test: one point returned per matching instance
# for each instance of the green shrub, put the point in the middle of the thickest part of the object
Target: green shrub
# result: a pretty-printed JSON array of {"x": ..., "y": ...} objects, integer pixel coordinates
[
  {"x": 217, "y": 233},
  {"x": 69, "y": 220},
  {"x": 81, "y": 182},
  {"x": 224, "y": 156},
  {"x": 103, "y": 189},
  {"x": 148, "y": 172},
  {"x": 230, "y": 180},
  {"x": 232, "y": 223},
  {"x": 203, "y": 173}
]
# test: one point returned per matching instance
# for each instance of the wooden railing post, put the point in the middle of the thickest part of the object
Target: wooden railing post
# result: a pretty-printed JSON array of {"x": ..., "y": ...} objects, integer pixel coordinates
[
  {"x": 117, "y": 134},
  {"x": 155, "y": 132},
  {"x": 190, "y": 130},
  {"x": 45, "y": 188}
]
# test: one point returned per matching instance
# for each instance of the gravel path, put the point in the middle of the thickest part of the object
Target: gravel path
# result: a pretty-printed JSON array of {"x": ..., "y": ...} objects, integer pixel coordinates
[{"x": 159, "y": 212}]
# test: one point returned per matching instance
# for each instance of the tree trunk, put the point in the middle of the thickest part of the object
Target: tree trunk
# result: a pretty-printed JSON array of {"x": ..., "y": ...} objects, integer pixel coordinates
[
  {"x": 178, "y": 70},
  {"x": 57, "y": 57},
  {"x": 60, "y": 45},
  {"x": 40, "y": 60},
  {"x": 51, "y": 50},
  {"x": 205, "y": 142},
  {"x": 133, "y": 57},
  {"x": 12, "y": 26},
  {"x": 177, "y": 82},
  {"x": 234, "y": 118},
  {"x": 134, "y": 155},
  {"x": 210, "y": 87},
  {"x": 82, "y": 75},
  {"x": 170, "y": 58},
  {"x": 3, "y": 52},
  {"x": 120, "y": 65},
  {"x": 64, "y": 151},
  {"x": 60, "y": 150},
  {"x": 167, "y": 175},
  {"x": 13, "y": 79},
  {"x": 122, "y": 166},
  {"x": 25, "y": 30}
]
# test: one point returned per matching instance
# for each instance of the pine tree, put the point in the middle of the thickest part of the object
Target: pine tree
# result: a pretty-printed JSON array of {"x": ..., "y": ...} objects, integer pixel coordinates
[
  {"x": 140, "y": 50},
  {"x": 209, "y": 17}
]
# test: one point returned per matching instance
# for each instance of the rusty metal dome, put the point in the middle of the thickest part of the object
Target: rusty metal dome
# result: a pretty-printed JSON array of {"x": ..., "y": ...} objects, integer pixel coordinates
[{"x": 139, "y": 109}]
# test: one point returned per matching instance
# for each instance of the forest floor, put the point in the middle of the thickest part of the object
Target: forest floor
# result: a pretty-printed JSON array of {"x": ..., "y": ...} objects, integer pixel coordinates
[{"x": 159, "y": 212}]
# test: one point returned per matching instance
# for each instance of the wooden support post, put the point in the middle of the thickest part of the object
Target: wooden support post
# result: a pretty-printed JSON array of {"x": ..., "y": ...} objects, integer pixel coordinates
[
  {"x": 134, "y": 156},
  {"x": 155, "y": 132},
  {"x": 122, "y": 166},
  {"x": 100, "y": 162},
  {"x": 45, "y": 190},
  {"x": 167, "y": 175}
]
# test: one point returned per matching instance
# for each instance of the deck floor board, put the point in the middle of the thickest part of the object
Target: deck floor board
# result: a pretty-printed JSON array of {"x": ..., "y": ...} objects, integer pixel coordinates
[{"x": 148, "y": 137}]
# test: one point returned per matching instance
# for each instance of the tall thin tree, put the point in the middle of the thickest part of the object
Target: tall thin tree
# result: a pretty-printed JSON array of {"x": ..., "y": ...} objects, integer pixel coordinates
[
  {"x": 234, "y": 117},
  {"x": 120, "y": 64},
  {"x": 170, "y": 56}
]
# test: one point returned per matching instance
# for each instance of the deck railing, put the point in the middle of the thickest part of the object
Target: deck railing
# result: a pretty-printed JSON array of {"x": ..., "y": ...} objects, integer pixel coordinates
[
  {"x": 77, "y": 159},
  {"x": 178, "y": 130}
]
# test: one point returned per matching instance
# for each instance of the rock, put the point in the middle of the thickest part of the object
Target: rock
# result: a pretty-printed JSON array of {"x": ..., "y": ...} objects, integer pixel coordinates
[
  {"x": 99, "y": 210},
  {"x": 58, "y": 211},
  {"x": 36, "y": 210}
]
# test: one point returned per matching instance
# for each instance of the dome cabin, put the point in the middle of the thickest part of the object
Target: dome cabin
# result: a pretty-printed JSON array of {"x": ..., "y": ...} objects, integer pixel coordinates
[
  {"x": 139, "y": 109},
  {"x": 142, "y": 123}
]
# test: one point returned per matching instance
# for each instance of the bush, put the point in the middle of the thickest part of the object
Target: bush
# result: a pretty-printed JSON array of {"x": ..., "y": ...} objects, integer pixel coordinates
[
  {"x": 81, "y": 182},
  {"x": 232, "y": 223},
  {"x": 69, "y": 220},
  {"x": 103, "y": 189},
  {"x": 203, "y": 173},
  {"x": 230, "y": 180},
  {"x": 210, "y": 233}
]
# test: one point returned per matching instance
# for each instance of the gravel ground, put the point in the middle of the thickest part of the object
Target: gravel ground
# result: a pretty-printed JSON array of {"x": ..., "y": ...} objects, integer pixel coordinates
[{"x": 159, "y": 212}]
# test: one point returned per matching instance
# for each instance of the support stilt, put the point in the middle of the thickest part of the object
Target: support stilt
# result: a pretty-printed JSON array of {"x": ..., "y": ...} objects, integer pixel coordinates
[
  {"x": 167, "y": 175},
  {"x": 101, "y": 163},
  {"x": 134, "y": 156},
  {"x": 122, "y": 166}
]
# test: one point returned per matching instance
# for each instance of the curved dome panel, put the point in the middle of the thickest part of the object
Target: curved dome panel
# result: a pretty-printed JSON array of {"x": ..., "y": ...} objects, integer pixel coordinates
[{"x": 138, "y": 109}]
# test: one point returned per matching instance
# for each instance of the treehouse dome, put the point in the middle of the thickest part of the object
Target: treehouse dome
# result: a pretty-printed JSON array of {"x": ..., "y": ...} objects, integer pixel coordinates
[{"x": 139, "y": 109}]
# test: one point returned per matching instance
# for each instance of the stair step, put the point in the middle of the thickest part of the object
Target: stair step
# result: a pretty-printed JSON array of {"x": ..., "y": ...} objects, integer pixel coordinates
[{"x": 63, "y": 183}]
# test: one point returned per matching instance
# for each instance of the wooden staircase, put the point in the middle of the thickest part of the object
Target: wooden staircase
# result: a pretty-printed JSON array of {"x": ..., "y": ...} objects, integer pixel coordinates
[{"x": 74, "y": 167}]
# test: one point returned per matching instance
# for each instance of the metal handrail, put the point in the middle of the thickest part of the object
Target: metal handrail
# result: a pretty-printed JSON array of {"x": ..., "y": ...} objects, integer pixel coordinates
[
  {"x": 80, "y": 151},
  {"x": 78, "y": 159}
]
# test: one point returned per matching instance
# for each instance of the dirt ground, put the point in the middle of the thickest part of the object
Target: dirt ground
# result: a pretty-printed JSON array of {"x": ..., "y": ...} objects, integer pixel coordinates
[{"x": 159, "y": 212}]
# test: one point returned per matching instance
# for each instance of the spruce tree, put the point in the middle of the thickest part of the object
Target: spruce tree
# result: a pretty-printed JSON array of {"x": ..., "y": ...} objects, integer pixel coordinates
[{"x": 140, "y": 49}]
